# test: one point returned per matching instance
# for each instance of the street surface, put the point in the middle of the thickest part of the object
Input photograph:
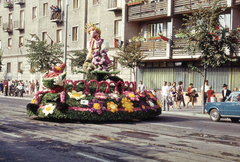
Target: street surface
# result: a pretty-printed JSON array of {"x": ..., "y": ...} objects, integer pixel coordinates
[{"x": 165, "y": 138}]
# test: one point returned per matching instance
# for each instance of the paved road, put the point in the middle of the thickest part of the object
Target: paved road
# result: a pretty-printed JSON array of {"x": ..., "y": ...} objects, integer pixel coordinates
[{"x": 167, "y": 137}]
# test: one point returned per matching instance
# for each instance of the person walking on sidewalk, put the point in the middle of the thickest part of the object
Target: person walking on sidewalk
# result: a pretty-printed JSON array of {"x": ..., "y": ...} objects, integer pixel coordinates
[
  {"x": 34, "y": 85},
  {"x": 141, "y": 87},
  {"x": 6, "y": 87},
  {"x": 165, "y": 94},
  {"x": 31, "y": 89},
  {"x": 191, "y": 94},
  {"x": 37, "y": 85},
  {"x": 1, "y": 87},
  {"x": 179, "y": 94},
  {"x": 206, "y": 89}
]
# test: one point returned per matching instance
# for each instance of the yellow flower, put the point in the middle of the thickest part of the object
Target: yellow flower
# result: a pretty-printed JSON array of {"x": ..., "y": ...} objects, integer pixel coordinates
[
  {"x": 96, "y": 106},
  {"x": 143, "y": 107},
  {"x": 159, "y": 104},
  {"x": 127, "y": 105},
  {"x": 112, "y": 106},
  {"x": 76, "y": 95},
  {"x": 33, "y": 100},
  {"x": 58, "y": 68},
  {"x": 131, "y": 95}
]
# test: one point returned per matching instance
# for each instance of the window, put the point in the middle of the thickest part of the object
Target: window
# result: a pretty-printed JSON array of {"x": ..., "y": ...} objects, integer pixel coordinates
[
  {"x": 116, "y": 64},
  {"x": 75, "y": 4},
  {"x": 225, "y": 20},
  {"x": 169, "y": 29},
  {"x": 59, "y": 4},
  {"x": 45, "y": 9},
  {"x": 19, "y": 65},
  {"x": 22, "y": 19},
  {"x": 0, "y": 20},
  {"x": 75, "y": 33},
  {"x": 0, "y": 44},
  {"x": 8, "y": 67},
  {"x": 9, "y": 43},
  {"x": 44, "y": 36},
  {"x": 34, "y": 13},
  {"x": 95, "y": 2},
  {"x": 10, "y": 20},
  {"x": 155, "y": 29},
  {"x": 118, "y": 28},
  {"x": 21, "y": 41},
  {"x": 59, "y": 36}
]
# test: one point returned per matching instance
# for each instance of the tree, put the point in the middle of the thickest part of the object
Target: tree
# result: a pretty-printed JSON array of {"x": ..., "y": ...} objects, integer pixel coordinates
[
  {"x": 131, "y": 56},
  {"x": 43, "y": 55},
  {"x": 78, "y": 58},
  {"x": 204, "y": 35},
  {"x": 1, "y": 54}
]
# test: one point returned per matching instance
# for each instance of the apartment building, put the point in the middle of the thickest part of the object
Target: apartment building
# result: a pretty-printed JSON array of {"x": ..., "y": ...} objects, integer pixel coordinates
[
  {"x": 20, "y": 19},
  {"x": 117, "y": 20},
  {"x": 165, "y": 61}
]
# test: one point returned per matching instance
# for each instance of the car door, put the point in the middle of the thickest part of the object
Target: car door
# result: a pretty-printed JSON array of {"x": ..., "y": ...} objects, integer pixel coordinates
[{"x": 232, "y": 105}]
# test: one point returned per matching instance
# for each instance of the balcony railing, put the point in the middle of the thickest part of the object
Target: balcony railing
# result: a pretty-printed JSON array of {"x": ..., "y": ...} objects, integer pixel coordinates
[
  {"x": 56, "y": 16},
  {"x": 154, "y": 48},
  {"x": 183, "y": 6},
  {"x": 237, "y": 2},
  {"x": 146, "y": 11},
  {"x": 20, "y": 2},
  {"x": 7, "y": 27},
  {"x": 114, "y": 5},
  {"x": 8, "y": 4},
  {"x": 19, "y": 25}
]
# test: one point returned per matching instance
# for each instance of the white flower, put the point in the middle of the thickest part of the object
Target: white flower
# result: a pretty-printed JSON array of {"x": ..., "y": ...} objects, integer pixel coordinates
[
  {"x": 76, "y": 95},
  {"x": 48, "y": 109}
]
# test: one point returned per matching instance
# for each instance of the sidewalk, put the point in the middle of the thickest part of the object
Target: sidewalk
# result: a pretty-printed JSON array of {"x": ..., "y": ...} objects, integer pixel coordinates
[
  {"x": 196, "y": 111},
  {"x": 25, "y": 97}
]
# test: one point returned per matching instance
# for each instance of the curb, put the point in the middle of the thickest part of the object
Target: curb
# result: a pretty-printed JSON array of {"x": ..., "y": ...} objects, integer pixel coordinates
[
  {"x": 194, "y": 114},
  {"x": 22, "y": 98}
]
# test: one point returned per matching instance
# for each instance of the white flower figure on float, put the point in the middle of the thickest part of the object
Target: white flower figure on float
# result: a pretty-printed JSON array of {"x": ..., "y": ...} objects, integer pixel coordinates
[
  {"x": 76, "y": 95},
  {"x": 48, "y": 109},
  {"x": 59, "y": 80}
]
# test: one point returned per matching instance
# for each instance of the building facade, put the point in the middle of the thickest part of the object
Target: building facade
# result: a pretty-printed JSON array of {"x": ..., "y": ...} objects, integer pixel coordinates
[{"x": 19, "y": 19}]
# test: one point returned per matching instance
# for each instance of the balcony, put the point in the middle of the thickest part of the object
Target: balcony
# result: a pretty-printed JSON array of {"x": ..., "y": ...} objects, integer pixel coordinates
[
  {"x": 114, "y": 5},
  {"x": 56, "y": 16},
  {"x": 18, "y": 25},
  {"x": 184, "y": 6},
  {"x": 8, "y": 4},
  {"x": 148, "y": 11},
  {"x": 7, "y": 27},
  {"x": 237, "y": 2},
  {"x": 20, "y": 2},
  {"x": 157, "y": 48}
]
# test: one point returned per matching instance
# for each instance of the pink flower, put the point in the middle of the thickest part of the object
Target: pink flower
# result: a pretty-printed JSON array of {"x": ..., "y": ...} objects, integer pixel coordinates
[
  {"x": 132, "y": 96},
  {"x": 114, "y": 96},
  {"x": 62, "y": 96},
  {"x": 100, "y": 95}
]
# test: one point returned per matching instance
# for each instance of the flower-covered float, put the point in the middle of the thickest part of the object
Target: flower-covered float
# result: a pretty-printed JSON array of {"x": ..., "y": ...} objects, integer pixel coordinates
[{"x": 100, "y": 97}]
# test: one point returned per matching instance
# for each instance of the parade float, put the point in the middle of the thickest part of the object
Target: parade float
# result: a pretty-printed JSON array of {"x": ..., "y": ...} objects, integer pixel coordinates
[{"x": 101, "y": 96}]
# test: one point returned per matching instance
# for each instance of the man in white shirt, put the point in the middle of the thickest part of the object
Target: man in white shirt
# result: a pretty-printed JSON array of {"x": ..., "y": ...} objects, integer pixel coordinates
[
  {"x": 141, "y": 87},
  {"x": 205, "y": 90},
  {"x": 165, "y": 94}
]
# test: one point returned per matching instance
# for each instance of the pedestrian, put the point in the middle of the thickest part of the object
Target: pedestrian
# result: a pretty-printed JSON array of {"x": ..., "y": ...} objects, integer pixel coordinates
[
  {"x": 191, "y": 94},
  {"x": 165, "y": 94},
  {"x": 225, "y": 92},
  {"x": 12, "y": 89},
  {"x": 170, "y": 95},
  {"x": 205, "y": 90},
  {"x": 37, "y": 85},
  {"x": 20, "y": 89},
  {"x": 31, "y": 89},
  {"x": 6, "y": 87},
  {"x": 183, "y": 101},
  {"x": 34, "y": 85},
  {"x": 210, "y": 92},
  {"x": 174, "y": 94},
  {"x": 158, "y": 95},
  {"x": 1, "y": 87},
  {"x": 26, "y": 87},
  {"x": 141, "y": 87},
  {"x": 179, "y": 94}
]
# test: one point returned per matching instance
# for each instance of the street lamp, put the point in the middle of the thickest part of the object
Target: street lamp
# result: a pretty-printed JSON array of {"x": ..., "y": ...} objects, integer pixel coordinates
[{"x": 65, "y": 43}]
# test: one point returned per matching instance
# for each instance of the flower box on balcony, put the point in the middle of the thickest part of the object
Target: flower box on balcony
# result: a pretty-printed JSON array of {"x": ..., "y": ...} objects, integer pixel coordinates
[
  {"x": 8, "y": 5},
  {"x": 134, "y": 3}
]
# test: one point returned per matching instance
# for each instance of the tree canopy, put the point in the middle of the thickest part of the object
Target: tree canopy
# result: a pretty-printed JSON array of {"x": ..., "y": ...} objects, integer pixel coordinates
[
  {"x": 43, "y": 55},
  {"x": 78, "y": 58}
]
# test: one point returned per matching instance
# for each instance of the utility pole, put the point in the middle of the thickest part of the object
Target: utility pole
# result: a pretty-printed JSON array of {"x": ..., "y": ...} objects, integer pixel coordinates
[{"x": 65, "y": 42}]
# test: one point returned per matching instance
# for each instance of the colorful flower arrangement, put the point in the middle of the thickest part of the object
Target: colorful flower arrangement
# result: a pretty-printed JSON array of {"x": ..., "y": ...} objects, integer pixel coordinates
[
  {"x": 32, "y": 71},
  {"x": 20, "y": 71}
]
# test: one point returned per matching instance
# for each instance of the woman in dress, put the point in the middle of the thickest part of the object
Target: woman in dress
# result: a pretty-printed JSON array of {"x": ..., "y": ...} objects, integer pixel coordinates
[
  {"x": 31, "y": 89},
  {"x": 210, "y": 92},
  {"x": 179, "y": 94},
  {"x": 191, "y": 94}
]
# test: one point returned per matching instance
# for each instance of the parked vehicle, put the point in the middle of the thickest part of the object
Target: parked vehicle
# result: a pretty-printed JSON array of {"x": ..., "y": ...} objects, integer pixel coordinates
[{"x": 228, "y": 109}]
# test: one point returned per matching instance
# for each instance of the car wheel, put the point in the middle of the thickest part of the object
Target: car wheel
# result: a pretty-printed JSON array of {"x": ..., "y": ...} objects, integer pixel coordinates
[
  {"x": 234, "y": 120},
  {"x": 214, "y": 115}
]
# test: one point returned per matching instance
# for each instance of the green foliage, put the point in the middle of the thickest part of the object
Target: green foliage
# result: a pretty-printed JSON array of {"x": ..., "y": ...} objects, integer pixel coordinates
[
  {"x": 49, "y": 82},
  {"x": 78, "y": 58},
  {"x": 1, "y": 54},
  {"x": 131, "y": 56},
  {"x": 201, "y": 35},
  {"x": 194, "y": 68},
  {"x": 43, "y": 55}
]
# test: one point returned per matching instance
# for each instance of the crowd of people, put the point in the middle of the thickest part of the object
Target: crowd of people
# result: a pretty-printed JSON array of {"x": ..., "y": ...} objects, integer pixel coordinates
[
  {"x": 18, "y": 87},
  {"x": 171, "y": 94}
]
